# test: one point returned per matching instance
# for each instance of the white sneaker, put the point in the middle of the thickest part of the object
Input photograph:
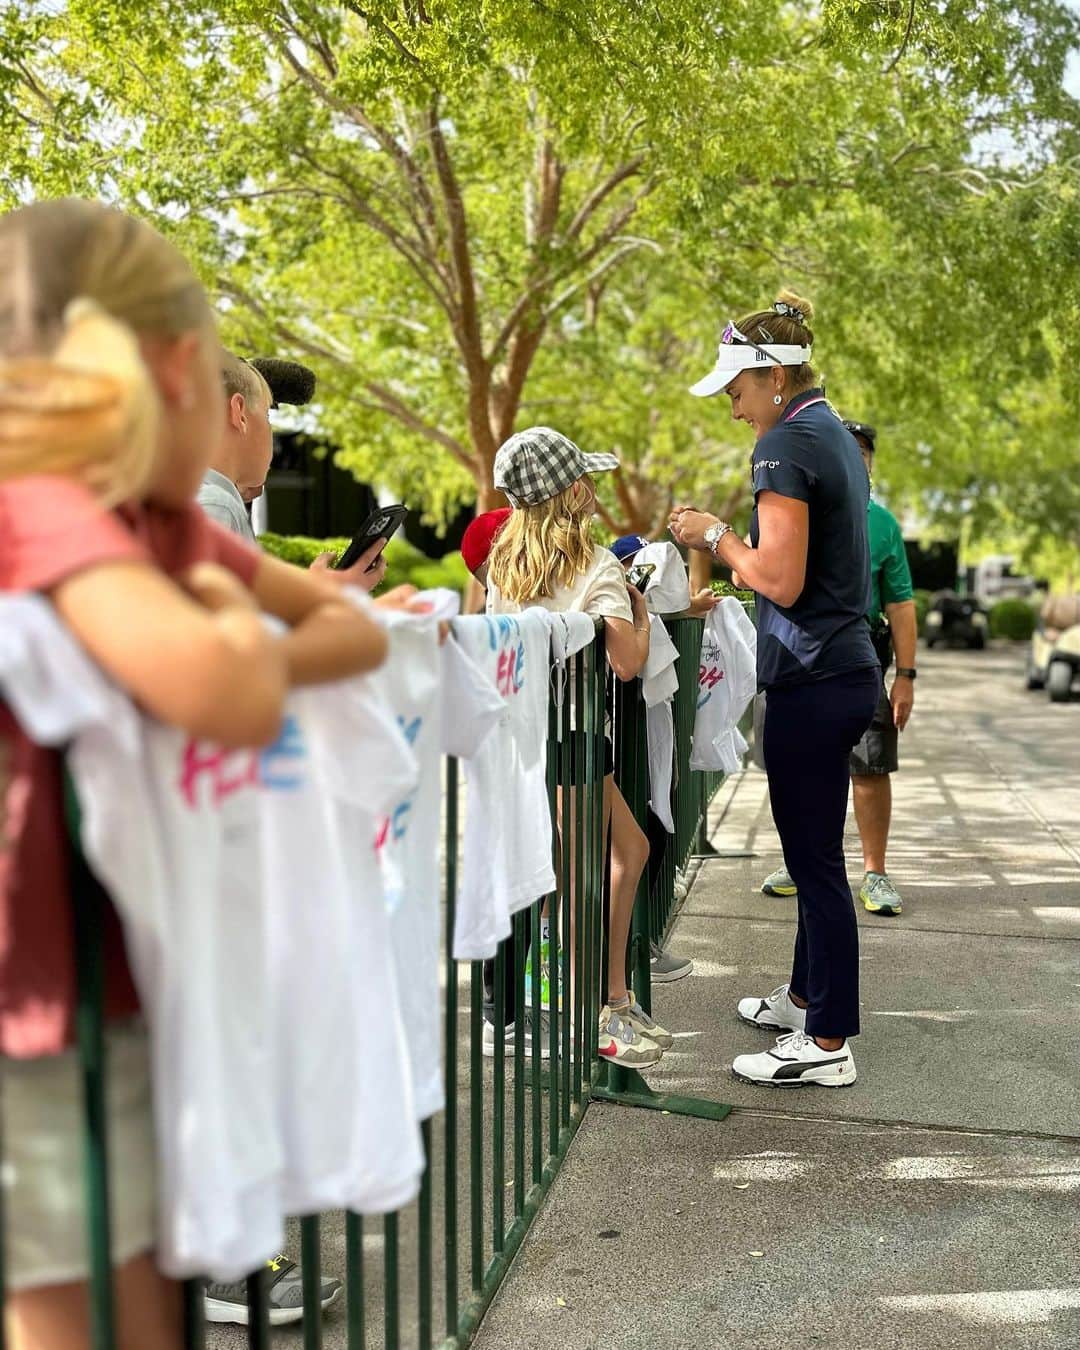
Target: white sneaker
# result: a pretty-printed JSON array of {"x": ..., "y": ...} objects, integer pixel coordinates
[
  {"x": 797, "y": 1059},
  {"x": 775, "y": 1012}
]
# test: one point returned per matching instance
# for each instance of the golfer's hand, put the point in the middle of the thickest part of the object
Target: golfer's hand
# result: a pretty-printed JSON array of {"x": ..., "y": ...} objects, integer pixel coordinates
[{"x": 688, "y": 526}]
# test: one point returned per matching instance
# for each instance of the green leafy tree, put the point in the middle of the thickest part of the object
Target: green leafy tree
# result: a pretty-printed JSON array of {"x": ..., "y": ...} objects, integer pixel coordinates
[{"x": 469, "y": 213}]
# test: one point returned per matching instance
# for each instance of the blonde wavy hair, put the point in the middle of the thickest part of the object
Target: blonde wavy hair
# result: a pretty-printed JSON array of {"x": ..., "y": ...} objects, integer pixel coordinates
[
  {"x": 80, "y": 284},
  {"x": 541, "y": 548}
]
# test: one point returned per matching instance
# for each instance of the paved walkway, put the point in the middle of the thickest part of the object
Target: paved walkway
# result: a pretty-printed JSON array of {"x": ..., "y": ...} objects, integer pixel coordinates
[{"x": 935, "y": 1204}]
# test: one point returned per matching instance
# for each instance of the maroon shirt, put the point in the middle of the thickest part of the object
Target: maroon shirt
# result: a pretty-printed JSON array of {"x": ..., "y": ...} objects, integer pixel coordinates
[{"x": 50, "y": 529}]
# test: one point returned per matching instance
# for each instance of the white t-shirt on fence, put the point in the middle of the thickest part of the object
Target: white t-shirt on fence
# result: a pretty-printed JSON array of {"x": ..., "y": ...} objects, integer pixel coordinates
[
  {"x": 507, "y": 860},
  {"x": 444, "y": 705}
]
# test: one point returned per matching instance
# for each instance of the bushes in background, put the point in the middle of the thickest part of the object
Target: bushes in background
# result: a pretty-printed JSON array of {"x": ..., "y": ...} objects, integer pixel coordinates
[
  {"x": 404, "y": 563},
  {"x": 1014, "y": 619}
]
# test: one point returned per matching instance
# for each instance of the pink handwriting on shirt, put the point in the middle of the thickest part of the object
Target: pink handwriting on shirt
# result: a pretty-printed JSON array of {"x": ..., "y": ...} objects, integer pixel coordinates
[{"x": 230, "y": 771}]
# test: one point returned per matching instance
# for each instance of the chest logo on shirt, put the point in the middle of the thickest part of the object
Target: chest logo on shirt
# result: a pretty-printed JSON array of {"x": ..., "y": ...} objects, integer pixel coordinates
[
  {"x": 226, "y": 772},
  {"x": 710, "y": 673},
  {"x": 504, "y": 634}
]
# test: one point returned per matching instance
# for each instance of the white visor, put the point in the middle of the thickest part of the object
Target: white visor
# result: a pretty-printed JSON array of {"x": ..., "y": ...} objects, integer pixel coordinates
[{"x": 734, "y": 357}]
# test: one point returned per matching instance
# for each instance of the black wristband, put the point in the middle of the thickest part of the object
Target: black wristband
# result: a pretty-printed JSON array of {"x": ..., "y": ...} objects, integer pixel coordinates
[{"x": 909, "y": 672}]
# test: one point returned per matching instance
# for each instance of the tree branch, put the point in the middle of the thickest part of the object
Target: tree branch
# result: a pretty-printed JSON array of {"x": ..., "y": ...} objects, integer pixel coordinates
[
  {"x": 390, "y": 403},
  {"x": 460, "y": 256},
  {"x": 424, "y": 264},
  {"x": 600, "y": 194},
  {"x": 904, "y": 45},
  {"x": 406, "y": 166},
  {"x": 381, "y": 26}
]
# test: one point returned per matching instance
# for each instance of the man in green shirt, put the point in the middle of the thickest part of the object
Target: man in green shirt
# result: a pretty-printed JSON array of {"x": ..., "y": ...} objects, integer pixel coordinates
[{"x": 895, "y": 628}]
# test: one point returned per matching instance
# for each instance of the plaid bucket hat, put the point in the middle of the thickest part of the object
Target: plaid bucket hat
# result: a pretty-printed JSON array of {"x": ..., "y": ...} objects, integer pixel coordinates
[{"x": 537, "y": 464}]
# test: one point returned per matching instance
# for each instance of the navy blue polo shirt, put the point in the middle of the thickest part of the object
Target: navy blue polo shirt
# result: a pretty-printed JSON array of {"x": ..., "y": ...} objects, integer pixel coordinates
[{"x": 811, "y": 456}]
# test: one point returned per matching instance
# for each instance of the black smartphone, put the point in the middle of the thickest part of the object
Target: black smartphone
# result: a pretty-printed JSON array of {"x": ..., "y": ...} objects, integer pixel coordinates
[
  {"x": 640, "y": 575},
  {"x": 381, "y": 524}
]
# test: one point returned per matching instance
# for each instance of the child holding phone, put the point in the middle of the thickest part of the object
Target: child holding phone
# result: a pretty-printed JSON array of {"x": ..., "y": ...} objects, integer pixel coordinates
[{"x": 110, "y": 400}]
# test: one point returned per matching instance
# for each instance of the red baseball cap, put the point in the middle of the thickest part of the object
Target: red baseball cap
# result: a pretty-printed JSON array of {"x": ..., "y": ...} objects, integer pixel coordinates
[{"x": 480, "y": 535}]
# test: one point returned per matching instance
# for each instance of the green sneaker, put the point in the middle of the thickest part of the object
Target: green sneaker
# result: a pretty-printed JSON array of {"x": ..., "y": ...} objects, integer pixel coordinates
[
  {"x": 545, "y": 976},
  {"x": 779, "y": 883},
  {"x": 879, "y": 895}
]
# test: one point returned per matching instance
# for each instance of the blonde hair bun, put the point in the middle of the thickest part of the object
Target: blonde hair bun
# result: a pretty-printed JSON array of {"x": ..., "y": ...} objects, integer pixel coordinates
[
  {"x": 90, "y": 406},
  {"x": 794, "y": 301}
]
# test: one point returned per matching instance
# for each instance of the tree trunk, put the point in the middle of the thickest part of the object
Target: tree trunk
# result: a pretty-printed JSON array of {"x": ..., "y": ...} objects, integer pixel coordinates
[{"x": 488, "y": 497}]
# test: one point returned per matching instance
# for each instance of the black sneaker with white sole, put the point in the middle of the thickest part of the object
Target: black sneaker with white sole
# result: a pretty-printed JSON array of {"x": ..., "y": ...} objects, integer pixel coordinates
[{"x": 795, "y": 1061}]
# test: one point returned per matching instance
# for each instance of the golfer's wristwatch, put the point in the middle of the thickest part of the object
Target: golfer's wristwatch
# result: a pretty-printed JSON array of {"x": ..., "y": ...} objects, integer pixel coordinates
[
  {"x": 908, "y": 672},
  {"x": 715, "y": 533}
]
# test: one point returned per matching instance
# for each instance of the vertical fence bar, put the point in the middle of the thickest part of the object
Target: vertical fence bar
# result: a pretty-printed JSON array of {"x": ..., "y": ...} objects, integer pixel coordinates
[
  {"x": 476, "y": 1126},
  {"x": 600, "y": 689},
  {"x": 194, "y": 1298},
  {"x": 536, "y": 1066},
  {"x": 450, "y": 1192},
  {"x": 89, "y": 904},
  {"x": 425, "y": 1320},
  {"x": 498, "y": 1115},
  {"x": 392, "y": 1282},
  {"x": 258, "y": 1310},
  {"x": 311, "y": 1270},
  {"x": 520, "y": 924},
  {"x": 560, "y": 963},
  {"x": 556, "y": 778},
  {"x": 354, "y": 1281},
  {"x": 585, "y": 788}
]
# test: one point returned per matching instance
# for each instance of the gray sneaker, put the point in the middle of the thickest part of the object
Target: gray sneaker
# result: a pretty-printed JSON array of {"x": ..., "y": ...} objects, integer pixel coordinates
[
  {"x": 879, "y": 895},
  {"x": 665, "y": 968},
  {"x": 285, "y": 1294},
  {"x": 779, "y": 883}
]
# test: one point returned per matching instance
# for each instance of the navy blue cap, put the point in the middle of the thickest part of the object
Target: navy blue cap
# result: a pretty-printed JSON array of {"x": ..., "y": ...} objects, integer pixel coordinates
[{"x": 628, "y": 545}]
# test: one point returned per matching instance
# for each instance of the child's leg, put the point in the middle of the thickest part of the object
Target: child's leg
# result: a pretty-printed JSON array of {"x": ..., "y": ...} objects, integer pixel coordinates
[
  {"x": 629, "y": 858},
  {"x": 57, "y": 1317}
]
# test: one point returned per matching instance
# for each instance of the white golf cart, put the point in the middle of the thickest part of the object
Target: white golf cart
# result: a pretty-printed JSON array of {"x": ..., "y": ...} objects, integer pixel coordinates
[{"x": 1054, "y": 657}]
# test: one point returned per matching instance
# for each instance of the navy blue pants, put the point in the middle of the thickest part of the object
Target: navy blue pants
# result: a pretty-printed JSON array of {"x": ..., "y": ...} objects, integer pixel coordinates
[{"x": 810, "y": 730}]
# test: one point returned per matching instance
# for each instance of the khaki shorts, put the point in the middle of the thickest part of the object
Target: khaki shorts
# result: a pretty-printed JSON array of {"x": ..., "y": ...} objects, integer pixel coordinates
[
  {"x": 876, "y": 754},
  {"x": 41, "y": 1105}
]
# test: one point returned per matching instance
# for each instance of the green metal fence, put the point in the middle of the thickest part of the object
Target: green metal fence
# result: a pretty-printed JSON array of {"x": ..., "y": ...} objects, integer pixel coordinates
[{"x": 424, "y": 1276}]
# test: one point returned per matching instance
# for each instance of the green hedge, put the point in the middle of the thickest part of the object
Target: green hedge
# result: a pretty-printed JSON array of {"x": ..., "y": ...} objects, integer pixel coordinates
[
  {"x": 404, "y": 563},
  {"x": 726, "y": 588},
  {"x": 1014, "y": 619}
]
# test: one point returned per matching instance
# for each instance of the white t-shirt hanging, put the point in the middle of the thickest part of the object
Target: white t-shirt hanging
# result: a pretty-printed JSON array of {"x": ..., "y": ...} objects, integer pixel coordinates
[
  {"x": 443, "y": 704},
  {"x": 659, "y": 684},
  {"x": 668, "y": 591},
  {"x": 345, "y": 1089},
  {"x": 508, "y": 833},
  {"x": 600, "y": 591},
  {"x": 727, "y": 680}
]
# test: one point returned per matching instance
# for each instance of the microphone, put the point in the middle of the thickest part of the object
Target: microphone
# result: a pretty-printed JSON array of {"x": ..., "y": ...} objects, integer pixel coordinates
[{"x": 289, "y": 381}]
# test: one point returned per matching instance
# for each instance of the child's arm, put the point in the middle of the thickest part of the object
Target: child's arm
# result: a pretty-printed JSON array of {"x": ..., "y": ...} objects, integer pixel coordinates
[
  {"x": 329, "y": 638},
  {"x": 206, "y": 665}
]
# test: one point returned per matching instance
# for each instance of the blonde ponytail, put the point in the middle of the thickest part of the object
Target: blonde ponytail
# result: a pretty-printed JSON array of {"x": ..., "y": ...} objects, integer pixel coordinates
[
  {"x": 88, "y": 411},
  {"x": 80, "y": 283}
]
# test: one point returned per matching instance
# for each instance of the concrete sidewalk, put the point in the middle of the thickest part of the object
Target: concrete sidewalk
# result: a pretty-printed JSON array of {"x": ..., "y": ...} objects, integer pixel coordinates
[{"x": 937, "y": 1202}]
